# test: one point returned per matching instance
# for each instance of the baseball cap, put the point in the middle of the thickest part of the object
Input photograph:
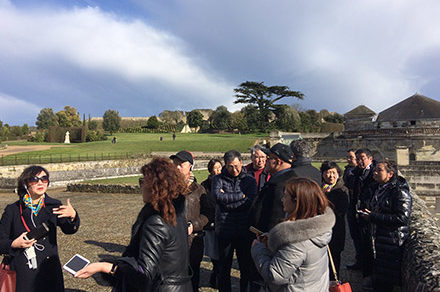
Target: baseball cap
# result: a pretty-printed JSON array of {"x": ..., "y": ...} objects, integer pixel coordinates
[
  {"x": 184, "y": 156},
  {"x": 282, "y": 151}
]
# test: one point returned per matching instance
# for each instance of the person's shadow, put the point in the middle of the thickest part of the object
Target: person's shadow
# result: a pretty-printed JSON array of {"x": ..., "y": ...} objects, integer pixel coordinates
[{"x": 103, "y": 279}]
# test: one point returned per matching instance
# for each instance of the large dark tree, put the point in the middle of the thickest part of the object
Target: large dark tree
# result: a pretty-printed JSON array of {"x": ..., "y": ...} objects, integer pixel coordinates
[
  {"x": 194, "y": 119},
  {"x": 46, "y": 118},
  {"x": 153, "y": 122},
  {"x": 111, "y": 121},
  {"x": 221, "y": 119},
  {"x": 263, "y": 97}
]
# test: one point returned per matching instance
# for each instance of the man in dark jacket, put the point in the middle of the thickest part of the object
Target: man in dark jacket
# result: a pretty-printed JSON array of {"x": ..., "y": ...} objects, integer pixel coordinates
[
  {"x": 267, "y": 209},
  {"x": 302, "y": 162},
  {"x": 234, "y": 191},
  {"x": 364, "y": 183},
  {"x": 197, "y": 209},
  {"x": 257, "y": 166}
]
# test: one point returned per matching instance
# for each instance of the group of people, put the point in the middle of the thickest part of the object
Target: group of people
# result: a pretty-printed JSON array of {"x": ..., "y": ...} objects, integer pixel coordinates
[
  {"x": 378, "y": 216},
  {"x": 297, "y": 212}
]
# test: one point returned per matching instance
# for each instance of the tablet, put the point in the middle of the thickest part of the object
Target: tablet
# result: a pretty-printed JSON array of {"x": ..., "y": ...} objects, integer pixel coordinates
[{"x": 75, "y": 264}]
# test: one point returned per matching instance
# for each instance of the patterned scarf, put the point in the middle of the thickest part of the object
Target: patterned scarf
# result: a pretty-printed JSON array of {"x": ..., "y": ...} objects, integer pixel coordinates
[
  {"x": 327, "y": 188},
  {"x": 28, "y": 203}
]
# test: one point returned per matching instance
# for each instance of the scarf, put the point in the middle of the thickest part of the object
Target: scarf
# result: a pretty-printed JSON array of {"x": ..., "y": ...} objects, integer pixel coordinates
[
  {"x": 327, "y": 188},
  {"x": 27, "y": 200}
]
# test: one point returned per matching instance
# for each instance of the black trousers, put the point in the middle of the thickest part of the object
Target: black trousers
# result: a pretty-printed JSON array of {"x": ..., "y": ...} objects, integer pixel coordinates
[
  {"x": 242, "y": 246},
  {"x": 355, "y": 232},
  {"x": 195, "y": 258}
]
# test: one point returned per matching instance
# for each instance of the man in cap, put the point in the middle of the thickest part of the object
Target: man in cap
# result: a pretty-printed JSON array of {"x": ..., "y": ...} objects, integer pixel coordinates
[
  {"x": 302, "y": 161},
  {"x": 196, "y": 212},
  {"x": 267, "y": 209}
]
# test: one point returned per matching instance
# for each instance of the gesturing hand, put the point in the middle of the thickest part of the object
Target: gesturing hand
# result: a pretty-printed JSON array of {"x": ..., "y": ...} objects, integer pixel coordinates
[
  {"x": 65, "y": 211},
  {"x": 21, "y": 242}
]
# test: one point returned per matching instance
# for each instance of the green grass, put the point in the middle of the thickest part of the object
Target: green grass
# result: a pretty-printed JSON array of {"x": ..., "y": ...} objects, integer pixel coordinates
[
  {"x": 135, "y": 144},
  {"x": 200, "y": 175}
]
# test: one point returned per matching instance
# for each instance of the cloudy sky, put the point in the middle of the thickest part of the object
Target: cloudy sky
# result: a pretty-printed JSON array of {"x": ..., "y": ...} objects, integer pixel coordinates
[{"x": 143, "y": 56}]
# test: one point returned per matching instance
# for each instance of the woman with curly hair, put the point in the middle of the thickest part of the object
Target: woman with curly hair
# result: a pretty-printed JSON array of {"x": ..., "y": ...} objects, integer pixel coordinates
[
  {"x": 293, "y": 256},
  {"x": 157, "y": 257}
]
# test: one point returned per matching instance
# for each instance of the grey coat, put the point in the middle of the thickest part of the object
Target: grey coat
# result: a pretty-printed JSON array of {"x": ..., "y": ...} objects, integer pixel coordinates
[{"x": 296, "y": 257}]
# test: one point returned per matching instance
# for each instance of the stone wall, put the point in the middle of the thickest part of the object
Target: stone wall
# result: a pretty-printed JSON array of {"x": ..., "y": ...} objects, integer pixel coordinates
[
  {"x": 421, "y": 259},
  {"x": 63, "y": 173},
  {"x": 424, "y": 180}
]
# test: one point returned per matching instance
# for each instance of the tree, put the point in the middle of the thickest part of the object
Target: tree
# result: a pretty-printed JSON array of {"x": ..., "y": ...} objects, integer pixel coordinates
[
  {"x": 221, "y": 118},
  {"x": 263, "y": 97},
  {"x": 46, "y": 118},
  {"x": 171, "y": 117},
  {"x": 153, "y": 122},
  {"x": 251, "y": 115},
  {"x": 239, "y": 122},
  {"x": 25, "y": 129},
  {"x": 194, "y": 119},
  {"x": 68, "y": 117},
  {"x": 111, "y": 121},
  {"x": 92, "y": 125},
  {"x": 287, "y": 118}
]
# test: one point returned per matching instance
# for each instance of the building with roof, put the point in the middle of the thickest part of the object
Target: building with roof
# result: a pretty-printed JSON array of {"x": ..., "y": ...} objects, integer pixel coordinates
[{"x": 359, "y": 118}]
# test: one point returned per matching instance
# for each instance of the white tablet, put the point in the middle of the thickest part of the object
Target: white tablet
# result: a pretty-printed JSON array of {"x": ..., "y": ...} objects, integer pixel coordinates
[{"x": 75, "y": 264}]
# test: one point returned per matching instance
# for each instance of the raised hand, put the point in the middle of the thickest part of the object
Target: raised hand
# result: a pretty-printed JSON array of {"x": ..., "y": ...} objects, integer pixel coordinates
[{"x": 65, "y": 211}]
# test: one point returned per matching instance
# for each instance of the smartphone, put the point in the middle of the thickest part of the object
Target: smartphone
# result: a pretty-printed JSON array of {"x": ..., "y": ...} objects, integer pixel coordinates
[
  {"x": 255, "y": 230},
  {"x": 75, "y": 264},
  {"x": 38, "y": 232}
]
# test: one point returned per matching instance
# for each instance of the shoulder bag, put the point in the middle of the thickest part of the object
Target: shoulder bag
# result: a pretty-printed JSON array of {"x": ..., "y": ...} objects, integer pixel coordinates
[{"x": 337, "y": 286}]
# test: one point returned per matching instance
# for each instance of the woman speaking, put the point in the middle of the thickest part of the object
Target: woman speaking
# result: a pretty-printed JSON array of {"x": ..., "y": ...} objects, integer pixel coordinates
[
  {"x": 35, "y": 261},
  {"x": 157, "y": 257}
]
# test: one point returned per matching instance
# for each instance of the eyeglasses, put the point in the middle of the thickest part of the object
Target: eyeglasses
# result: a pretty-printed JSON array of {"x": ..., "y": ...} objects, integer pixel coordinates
[{"x": 34, "y": 180}]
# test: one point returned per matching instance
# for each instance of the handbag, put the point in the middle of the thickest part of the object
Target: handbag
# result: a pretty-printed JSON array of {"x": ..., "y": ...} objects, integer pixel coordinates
[
  {"x": 337, "y": 286},
  {"x": 7, "y": 278}
]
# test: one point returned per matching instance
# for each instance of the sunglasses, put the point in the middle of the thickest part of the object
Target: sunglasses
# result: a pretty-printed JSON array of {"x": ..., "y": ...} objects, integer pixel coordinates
[{"x": 34, "y": 180}]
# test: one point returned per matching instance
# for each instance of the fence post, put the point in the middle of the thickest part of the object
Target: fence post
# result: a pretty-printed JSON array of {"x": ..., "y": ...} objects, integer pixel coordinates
[
  {"x": 61, "y": 157},
  {"x": 15, "y": 159}
]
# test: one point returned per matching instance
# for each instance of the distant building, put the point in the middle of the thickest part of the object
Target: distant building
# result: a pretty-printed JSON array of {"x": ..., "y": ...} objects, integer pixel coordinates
[
  {"x": 416, "y": 111},
  {"x": 359, "y": 118}
]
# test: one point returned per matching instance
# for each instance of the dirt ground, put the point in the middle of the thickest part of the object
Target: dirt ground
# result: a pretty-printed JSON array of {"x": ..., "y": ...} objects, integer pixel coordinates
[
  {"x": 18, "y": 149},
  {"x": 106, "y": 221}
]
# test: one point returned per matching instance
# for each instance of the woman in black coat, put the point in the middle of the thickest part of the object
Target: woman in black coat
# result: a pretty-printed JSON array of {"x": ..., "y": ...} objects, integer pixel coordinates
[
  {"x": 157, "y": 257},
  {"x": 389, "y": 217},
  {"x": 33, "y": 209},
  {"x": 333, "y": 187}
]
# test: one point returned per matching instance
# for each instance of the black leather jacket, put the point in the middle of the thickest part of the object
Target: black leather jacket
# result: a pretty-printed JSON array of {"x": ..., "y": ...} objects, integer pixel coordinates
[
  {"x": 390, "y": 212},
  {"x": 157, "y": 257}
]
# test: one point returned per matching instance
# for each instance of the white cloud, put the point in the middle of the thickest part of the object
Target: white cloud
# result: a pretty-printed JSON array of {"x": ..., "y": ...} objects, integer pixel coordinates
[{"x": 17, "y": 110}]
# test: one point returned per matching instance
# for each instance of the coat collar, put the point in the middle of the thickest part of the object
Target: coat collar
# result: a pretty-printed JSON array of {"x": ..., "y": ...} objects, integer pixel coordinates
[{"x": 301, "y": 230}]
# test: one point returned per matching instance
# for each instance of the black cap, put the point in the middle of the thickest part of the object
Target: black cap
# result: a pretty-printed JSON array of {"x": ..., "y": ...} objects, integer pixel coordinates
[
  {"x": 282, "y": 151},
  {"x": 184, "y": 156}
]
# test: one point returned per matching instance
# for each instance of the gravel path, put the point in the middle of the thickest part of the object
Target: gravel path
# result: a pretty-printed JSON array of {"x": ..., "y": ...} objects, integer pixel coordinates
[{"x": 106, "y": 221}]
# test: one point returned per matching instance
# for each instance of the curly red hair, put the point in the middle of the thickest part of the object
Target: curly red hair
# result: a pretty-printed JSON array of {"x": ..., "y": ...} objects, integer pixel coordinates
[{"x": 165, "y": 183}]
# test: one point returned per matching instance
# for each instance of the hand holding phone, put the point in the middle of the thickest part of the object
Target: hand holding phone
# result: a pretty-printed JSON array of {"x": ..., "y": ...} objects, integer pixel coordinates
[
  {"x": 255, "y": 231},
  {"x": 38, "y": 232}
]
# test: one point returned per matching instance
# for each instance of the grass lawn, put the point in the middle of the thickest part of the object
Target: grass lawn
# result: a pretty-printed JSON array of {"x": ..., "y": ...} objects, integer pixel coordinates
[
  {"x": 200, "y": 175},
  {"x": 141, "y": 143}
]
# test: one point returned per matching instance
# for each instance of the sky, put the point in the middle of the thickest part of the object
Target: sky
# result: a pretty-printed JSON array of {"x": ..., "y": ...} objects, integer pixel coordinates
[{"x": 140, "y": 57}]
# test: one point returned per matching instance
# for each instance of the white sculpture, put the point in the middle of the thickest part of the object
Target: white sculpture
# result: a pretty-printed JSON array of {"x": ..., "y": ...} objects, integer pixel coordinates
[{"x": 67, "y": 138}]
